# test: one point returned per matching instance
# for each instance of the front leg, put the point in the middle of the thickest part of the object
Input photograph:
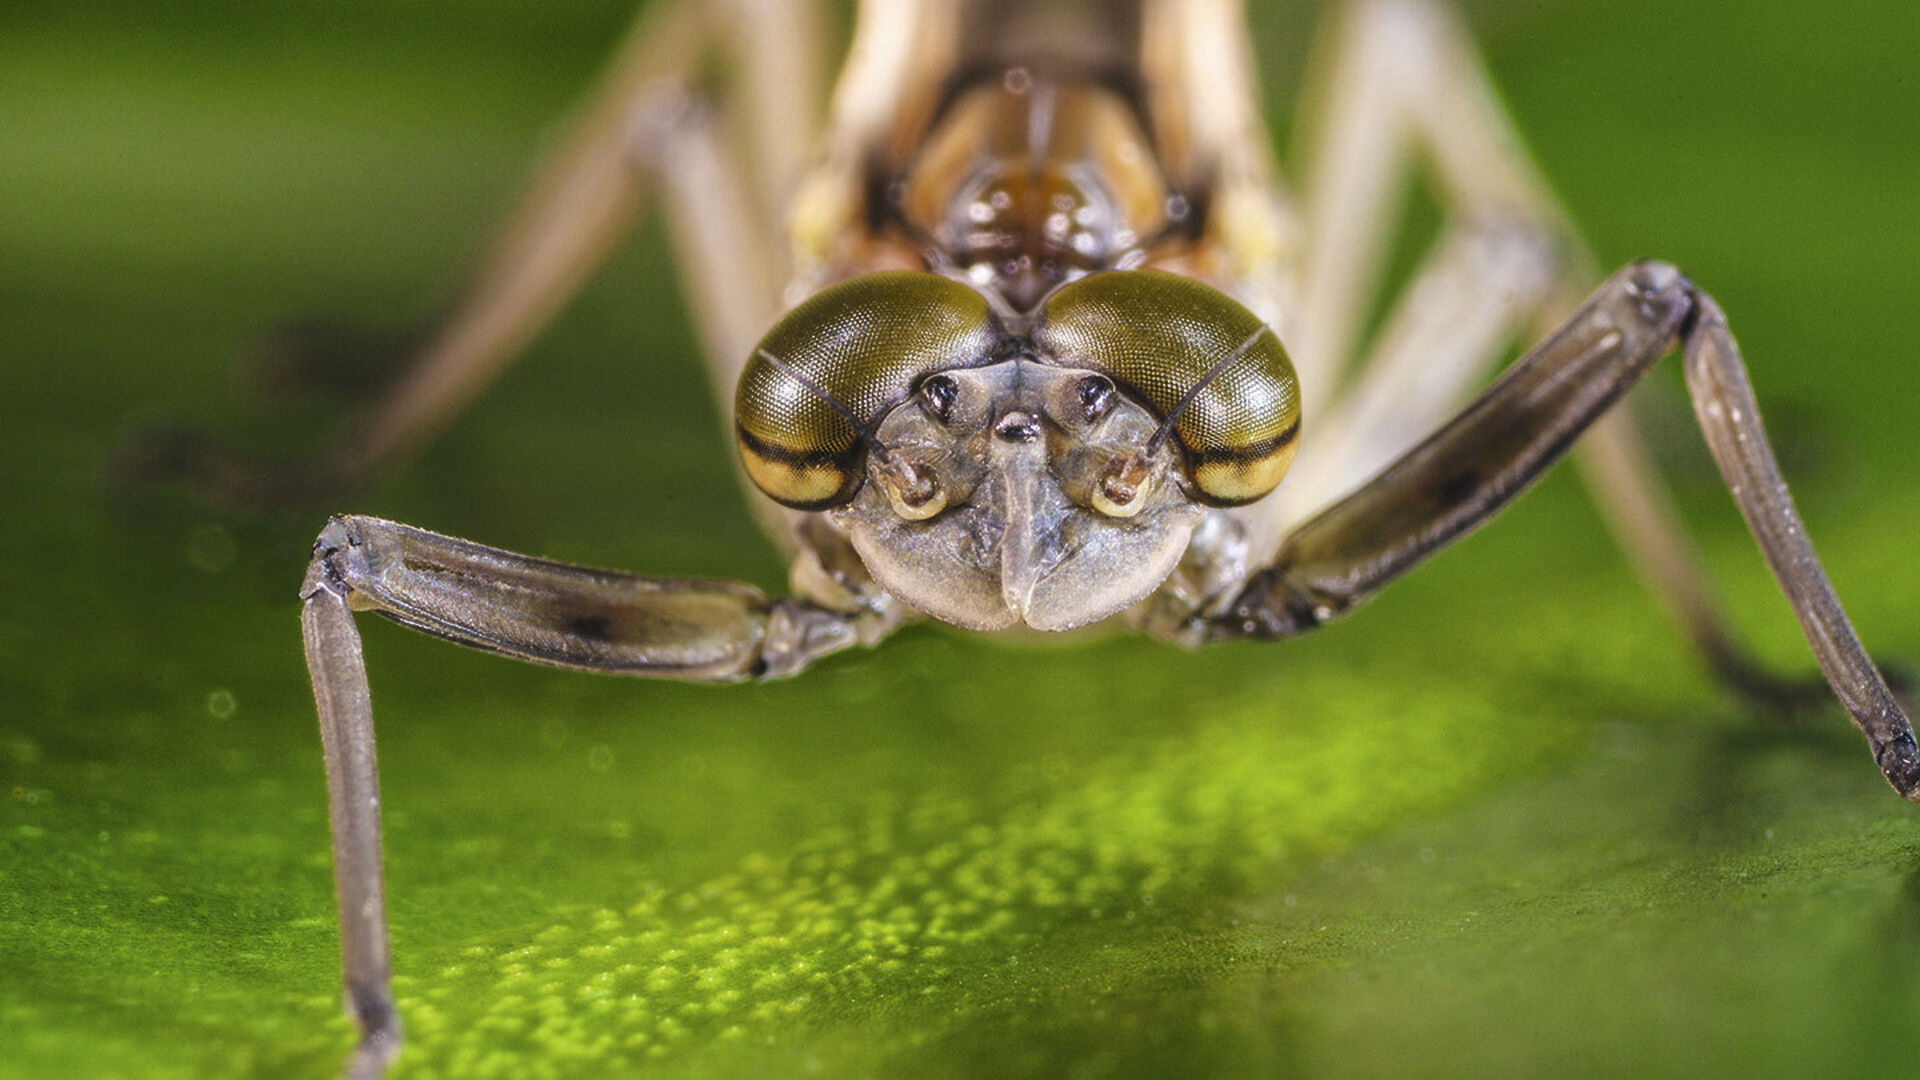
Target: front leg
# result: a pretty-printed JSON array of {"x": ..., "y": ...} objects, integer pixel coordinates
[
  {"x": 1471, "y": 468},
  {"x": 532, "y": 609}
]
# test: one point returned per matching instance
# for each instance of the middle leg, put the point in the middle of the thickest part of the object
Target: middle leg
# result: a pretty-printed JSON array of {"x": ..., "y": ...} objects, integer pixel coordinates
[
  {"x": 1400, "y": 81},
  {"x": 1468, "y": 470}
]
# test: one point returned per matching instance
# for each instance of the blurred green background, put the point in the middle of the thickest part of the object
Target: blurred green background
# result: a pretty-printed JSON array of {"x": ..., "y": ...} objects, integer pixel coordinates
[{"x": 1498, "y": 824}]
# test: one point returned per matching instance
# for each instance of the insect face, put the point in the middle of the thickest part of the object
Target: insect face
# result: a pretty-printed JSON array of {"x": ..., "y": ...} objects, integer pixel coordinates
[
  {"x": 1049, "y": 512},
  {"x": 1049, "y": 473}
]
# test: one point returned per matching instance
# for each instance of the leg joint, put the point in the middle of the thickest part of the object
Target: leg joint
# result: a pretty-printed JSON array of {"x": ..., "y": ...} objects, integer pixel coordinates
[
  {"x": 340, "y": 540},
  {"x": 1271, "y": 606}
]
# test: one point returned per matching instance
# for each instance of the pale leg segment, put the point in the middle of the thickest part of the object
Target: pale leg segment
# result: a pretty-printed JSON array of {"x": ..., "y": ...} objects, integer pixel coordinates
[
  {"x": 531, "y": 609},
  {"x": 1397, "y": 81},
  {"x": 1476, "y": 290},
  {"x": 727, "y": 259},
  {"x": 1471, "y": 468},
  {"x": 1400, "y": 80},
  {"x": 586, "y": 197},
  {"x": 646, "y": 133}
]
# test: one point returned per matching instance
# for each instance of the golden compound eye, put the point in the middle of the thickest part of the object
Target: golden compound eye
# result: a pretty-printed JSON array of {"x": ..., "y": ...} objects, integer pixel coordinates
[
  {"x": 1216, "y": 375},
  {"x": 831, "y": 367}
]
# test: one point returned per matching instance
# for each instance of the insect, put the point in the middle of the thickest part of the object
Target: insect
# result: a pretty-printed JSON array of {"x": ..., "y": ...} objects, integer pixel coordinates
[{"x": 1028, "y": 337}]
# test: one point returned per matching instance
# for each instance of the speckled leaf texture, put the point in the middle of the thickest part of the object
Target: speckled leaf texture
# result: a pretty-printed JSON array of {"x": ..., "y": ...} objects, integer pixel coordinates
[{"x": 1497, "y": 824}]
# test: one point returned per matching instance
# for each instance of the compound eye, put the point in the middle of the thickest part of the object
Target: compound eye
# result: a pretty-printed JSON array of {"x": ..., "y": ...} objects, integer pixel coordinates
[
  {"x": 827, "y": 372},
  {"x": 1220, "y": 381}
]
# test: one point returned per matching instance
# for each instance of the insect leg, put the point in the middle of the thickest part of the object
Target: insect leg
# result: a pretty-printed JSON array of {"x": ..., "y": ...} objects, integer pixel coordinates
[
  {"x": 1471, "y": 468},
  {"x": 1730, "y": 419},
  {"x": 353, "y": 808},
  {"x": 780, "y": 97},
  {"x": 587, "y": 195},
  {"x": 623, "y": 147},
  {"x": 1401, "y": 76},
  {"x": 530, "y": 609},
  {"x": 1396, "y": 79},
  {"x": 1613, "y": 461},
  {"x": 1475, "y": 292},
  {"x": 1396, "y": 85}
]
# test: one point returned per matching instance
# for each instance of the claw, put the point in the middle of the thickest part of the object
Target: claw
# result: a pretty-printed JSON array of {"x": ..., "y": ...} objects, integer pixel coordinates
[{"x": 1900, "y": 764}]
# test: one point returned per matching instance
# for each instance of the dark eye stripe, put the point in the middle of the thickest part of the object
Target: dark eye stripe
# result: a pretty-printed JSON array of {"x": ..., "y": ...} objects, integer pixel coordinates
[
  {"x": 1253, "y": 452},
  {"x": 774, "y": 453}
]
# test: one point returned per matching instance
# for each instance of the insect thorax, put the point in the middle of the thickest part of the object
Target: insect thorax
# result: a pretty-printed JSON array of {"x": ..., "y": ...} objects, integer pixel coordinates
[{"x": 1026, "y": 180}]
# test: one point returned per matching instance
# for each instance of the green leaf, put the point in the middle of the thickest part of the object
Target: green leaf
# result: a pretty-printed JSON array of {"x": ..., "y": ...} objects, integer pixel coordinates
[{"x": 1499, "y": 823}]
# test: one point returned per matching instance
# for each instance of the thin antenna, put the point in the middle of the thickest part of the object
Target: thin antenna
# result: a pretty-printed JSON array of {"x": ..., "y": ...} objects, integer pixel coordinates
[
  {"x": 859, "y": 427},
  {"x": 1186, "y": 399}
]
